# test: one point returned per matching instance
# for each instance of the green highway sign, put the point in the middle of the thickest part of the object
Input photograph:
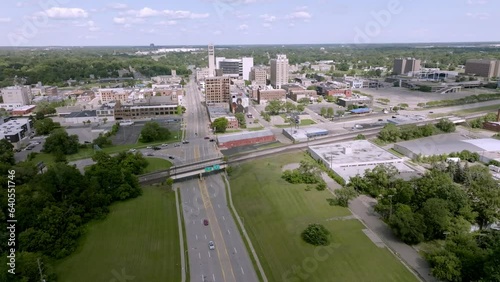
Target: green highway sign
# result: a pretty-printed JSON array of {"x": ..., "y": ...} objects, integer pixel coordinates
[
  {"x": 208, "y": 169},
  {"x": 216, "y": 167}
]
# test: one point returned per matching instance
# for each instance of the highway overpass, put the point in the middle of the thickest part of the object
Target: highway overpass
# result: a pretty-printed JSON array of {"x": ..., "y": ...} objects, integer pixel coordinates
[{"x": 184, "y": 171}]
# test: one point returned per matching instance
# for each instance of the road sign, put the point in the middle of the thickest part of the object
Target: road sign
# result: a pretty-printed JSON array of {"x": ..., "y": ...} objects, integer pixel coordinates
[
  {"x": 216, "y": 167},
  {"x": 208, "y": 169}
]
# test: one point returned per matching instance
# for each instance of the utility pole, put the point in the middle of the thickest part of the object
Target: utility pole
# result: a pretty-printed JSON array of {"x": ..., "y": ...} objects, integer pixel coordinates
[{"x": 40, "y": 269}]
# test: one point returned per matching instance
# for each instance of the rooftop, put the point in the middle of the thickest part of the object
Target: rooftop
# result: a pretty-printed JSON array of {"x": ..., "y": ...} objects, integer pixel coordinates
[
  {"x": 12, "y": 126},
  {"x": 243, "y": 135},
  {"x": 300, "y": 134},
  {"x": 82, "y": 114},
  {"x": 359, "y": 151}
]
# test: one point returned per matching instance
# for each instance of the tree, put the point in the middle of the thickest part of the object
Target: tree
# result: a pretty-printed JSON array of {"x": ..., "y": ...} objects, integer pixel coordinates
[
  {"x": 360, "y": 137},
  {"x": 289, "y": 106},
  {"x": 274, "y": 107},
  {"x": 323, "y": 111},
  {"x": 220, "y": 124},
  {"x": 241, "y": 120},
  {"x": 446, "y": 125},
  {"x": 436, "y": 218},
  {"x": 445, "y": 266},
  {"x": 343, "y": 66},
  {"x": 344, "y": 195},
  {"x": 60, "y": 141},
  {"x": 330, "y": 112},
  {"x": 102, "y": 141},
  {"x": 45, "y": 126},
  {"x": 39, "y": 116},
  {"x": 390, "y": 133},
  {"x": 407, "y": 225},
  {"x": 301, "y": 107},
  {"x": 152, "y": 131},
  {"x": 316, "y": 234},
  {"x": 104, "y": 120}
]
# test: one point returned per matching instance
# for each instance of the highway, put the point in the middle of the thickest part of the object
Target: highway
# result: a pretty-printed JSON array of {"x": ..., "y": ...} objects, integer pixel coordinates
[{"x": 206, "y": 199}]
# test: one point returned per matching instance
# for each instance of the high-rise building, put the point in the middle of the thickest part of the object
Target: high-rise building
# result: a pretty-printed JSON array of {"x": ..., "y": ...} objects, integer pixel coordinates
[
  {"x": 217, "y": 89},
  {"x": 20, "y": 95},
  {"x": 483, "y": 67},
  {"x": 235, "y": 67},
  {"x": 211, "y": 60},
  {"x": 279, "y": 71},
  {"x": 406, "y": 65},
  {"x": 245, "y": 67},
  {"x": 258, "y": 75}
]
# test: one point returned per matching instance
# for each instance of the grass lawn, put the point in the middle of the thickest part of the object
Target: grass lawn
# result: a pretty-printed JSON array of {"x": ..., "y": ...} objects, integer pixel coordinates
[
  {"x": 155, "y": 164},
  {"x": 139, "y": 237},
  {"x": 302, "y": 122},
  {"x": 275, "y": 213},
  {"x": 492, "y": 108},
  {"x": 255, "y": 128}
]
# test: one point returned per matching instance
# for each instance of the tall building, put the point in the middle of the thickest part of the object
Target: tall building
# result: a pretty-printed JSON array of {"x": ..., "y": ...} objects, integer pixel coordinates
[
  {"x": 279, "y": 71},
  {"x": 211, "y": 60},
  {"x": 217, "y": 89},
  {"x": 406, "y": 65},
  {"x": 483, "y": 67},
  {"x": 258, "y": 75},
  {"x": 19, "y": 95},
  {"x": 235, "y": 67}
]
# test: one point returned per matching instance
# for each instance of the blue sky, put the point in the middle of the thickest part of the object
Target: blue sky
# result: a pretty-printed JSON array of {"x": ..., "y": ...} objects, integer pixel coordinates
[{"x": 198, "y": 22}]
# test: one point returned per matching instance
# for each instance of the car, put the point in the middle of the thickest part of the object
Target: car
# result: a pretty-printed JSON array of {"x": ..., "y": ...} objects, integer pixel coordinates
[
  {"x": 170, "y": 157},
  {"x": 156, "y": 148},
  {"x": 150, "y": 154},
  {"x": 149, "y": 147},
  {"x": 394, "y": 117},
  {"x": 212, "y": 140},
  {"x": 164, "y": 145},
  {"x": 176, "y": 145},
  {"x": 28, "y": 148},
  {"x": 185, "y": 142},
  {"x": 431, "y": 112},
  {"x": 206, "y": 138},
  {"x": 132, "y": 150},
  {"x": 211, "y": 245},
  {"x": 205, "y": 222},
  {"x": 380, "y": 119}
]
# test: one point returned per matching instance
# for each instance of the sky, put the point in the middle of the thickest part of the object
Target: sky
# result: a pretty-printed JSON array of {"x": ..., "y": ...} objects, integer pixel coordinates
[{"x": 199, "y": 22}]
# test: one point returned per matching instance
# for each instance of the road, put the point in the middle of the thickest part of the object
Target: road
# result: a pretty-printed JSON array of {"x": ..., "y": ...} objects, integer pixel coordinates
[{"x": 206, "y": 199}]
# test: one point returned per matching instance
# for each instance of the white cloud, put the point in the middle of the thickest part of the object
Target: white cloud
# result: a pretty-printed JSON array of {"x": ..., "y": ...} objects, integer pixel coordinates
[
  {"x": 119, "y": 20},
  {"x": 303, "y": 15},
  {"x": 479, "y": 16},
  {"x": 243, "y": 27},
  {"x": 89, "y": 24},
  {"x": 267, "y": 25},
  {"x": 301, "y": 8},
  {"x": 167, "y": 23},
  {"x": 268, "y": 18},
  {"x": 217, "y": 32},
  {"x": 147, "y": 12},
  {"x": 477, "y": 2},
  {"x": 242, "y": 16},
  {"x": 65, "y": 13},
  {"x": 117, "y": 6},
  {"x": 5, "y": 20},
  {"x": 127, "y": 20}
]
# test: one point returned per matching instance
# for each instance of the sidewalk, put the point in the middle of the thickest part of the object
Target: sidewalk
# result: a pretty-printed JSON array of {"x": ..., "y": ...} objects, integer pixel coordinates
[{"x": 362, "y": 207}]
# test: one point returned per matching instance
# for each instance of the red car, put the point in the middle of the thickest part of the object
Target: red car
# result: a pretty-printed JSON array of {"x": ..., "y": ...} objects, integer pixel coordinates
[{"x": 205, "y": 222}]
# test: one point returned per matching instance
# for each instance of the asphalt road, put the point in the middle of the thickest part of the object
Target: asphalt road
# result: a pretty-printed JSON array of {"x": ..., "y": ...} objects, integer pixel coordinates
[{"x": 206, "y": 199}]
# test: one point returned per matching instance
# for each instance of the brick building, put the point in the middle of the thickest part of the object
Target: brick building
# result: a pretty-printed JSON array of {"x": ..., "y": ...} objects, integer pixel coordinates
[
  {"x": 228, "y": 141},
  {"x": 264, "y": 96}
]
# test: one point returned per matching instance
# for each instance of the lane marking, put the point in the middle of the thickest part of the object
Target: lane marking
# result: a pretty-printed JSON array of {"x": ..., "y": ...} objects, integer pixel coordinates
[
  {"x": 223, "y": 218},
  {"x": 205, "y": 236},
  {"x": 199, "y": 255},
  {"x": 209, "y": 254},
  {"x": 228, "y": 232},
  {"x": 213, "y": 275},
  {"x": 196, "y": 237},
  {"x": 242, "y": 270},
  {"x": 218, "y": 206},
  {"x": 235, "y": 251}
]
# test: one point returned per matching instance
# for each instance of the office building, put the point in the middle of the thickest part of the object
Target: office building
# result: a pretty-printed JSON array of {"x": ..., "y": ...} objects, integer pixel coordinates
[
  {"x": 124, "y": 112},
  {"x": 258, "y": 75},
  {"x": 201, "y": 74},
  {"x": 15, "y": 130},
  {"x": 264, "y": 96},
  {"x": 211, "y": 60},
  {"x": 406, "y": 65},
  {"x": 235, "y": 67},
  {"x": 245, "y": 67},
  {"x": 18, "y": 95},
  {"x": 114, "y": 94},
  {"x": 279, "y": 71},
  {"x": 217, "y": 90},
  {"x": 484, "y": 68}
]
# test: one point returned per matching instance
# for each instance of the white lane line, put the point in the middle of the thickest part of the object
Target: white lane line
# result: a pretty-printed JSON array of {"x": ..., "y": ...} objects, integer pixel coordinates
[
  {"x": 242, "y": 270},
  {"x": 218, "y": 206},
  {"x": 209, "y": 254},
  {"x": 199, "y": 255},
  {"x": 228, "y": 232},
  {"x": 202, "y": 278},
  {"x": 191, "y": 210},
  {"x": 235, "y": 251},
  {"x": 205, "y": 236},
  {"x": 193, "y": 222},
  {"x": 213, "y": 275},
  {"x": 223, "y": 218},
  {"x": 196, "y": 237}
]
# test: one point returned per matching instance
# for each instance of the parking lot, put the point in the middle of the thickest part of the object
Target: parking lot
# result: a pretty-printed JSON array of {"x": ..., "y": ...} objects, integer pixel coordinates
[{"x": 130, "y": 134}]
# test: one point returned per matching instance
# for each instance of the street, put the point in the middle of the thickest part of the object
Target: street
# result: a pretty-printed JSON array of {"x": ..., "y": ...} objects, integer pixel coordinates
[{"x": 205, "y": 199}]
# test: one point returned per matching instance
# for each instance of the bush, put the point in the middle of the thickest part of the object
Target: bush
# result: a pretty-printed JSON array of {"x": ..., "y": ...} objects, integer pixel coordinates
[
  {"x": 321, "y": 186},
  {"x": 317, "y": 235}
]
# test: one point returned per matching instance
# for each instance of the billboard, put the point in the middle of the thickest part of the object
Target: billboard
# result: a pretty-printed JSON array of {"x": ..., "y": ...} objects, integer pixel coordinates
[{"x": 239, "y": 104}]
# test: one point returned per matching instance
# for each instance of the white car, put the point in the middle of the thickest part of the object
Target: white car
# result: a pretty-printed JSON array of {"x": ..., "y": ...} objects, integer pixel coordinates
[
  {"x": 149, "y": 147},
  {"x": 211, "y": 245},
  {"x": 132, "y": 150}
]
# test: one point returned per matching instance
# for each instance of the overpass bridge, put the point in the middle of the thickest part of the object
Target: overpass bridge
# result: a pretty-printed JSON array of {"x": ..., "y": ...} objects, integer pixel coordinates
[{"x": 184, "y": 171}]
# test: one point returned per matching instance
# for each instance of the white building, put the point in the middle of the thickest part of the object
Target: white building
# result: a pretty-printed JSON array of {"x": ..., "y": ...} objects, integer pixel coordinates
[
  {"x": 211, "y": 60},
  {"x": 16, "y": 95},
  {"x": 235, "y": 67},
  {"x": 16, "y": 130},
  {"x": 279, "y": 71},
  {"x": 202, "y": 73},
  {"x": 258, "y": 75},
  {"x": 246, "y": 67}
]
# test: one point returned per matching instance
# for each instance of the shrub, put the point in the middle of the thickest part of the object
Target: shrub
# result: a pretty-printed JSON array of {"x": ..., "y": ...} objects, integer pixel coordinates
[
  {"x": 321, "y": 186},
  {"x": 317, "y": 235}
]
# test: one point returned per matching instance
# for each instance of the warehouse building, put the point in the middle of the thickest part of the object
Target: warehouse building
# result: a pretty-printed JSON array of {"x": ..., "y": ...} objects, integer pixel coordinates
[
  {"x": 304, "y": 134},
  {"x": 229, "y": 141},
  {"x": 349, "y": 159},
  {"x": 487, "y": 148}
]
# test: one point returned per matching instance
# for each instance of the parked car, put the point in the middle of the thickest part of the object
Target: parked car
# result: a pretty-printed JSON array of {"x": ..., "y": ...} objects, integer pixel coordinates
[
  {"x": 206, "y": 138},
  {"x": 211, "y": 245},
  {"x": 132, "y": 150},
  {"x": 150, "y": 154},
  {"x": 185, "y": 142},
  {"x": 176, "y": 145},
  {"x": 164, "y": 145},
  {"x": 212, "y": 140},
  {"x": 170, "y": 157},
  {"x": 149, "y": 147},
  {"x": 205, "y": 222},
  {"x": 156, "y": 148}
]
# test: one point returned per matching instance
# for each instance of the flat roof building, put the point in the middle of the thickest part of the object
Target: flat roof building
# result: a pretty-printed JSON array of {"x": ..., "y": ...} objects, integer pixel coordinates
[
  {"x": 16, "y": 95},
  {"x": 406, "y": 65},
  {"x": 143, "y": 112},
  {"x": 217, "y": 89},
  {"x": 483, "y": 67},
  {"x": 264, "y": 96},
  {"x": 15, "y": 130},
  {"x": 232, "y": 140},
  {"x": 279, "y": 71},
  {"x": 304, "y": 133},
  {"x": 258, "y": 75},
  {"x": 349, "y": 159}
]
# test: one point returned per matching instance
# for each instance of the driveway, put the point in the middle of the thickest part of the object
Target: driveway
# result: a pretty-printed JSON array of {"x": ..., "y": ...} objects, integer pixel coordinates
[{"x": 362, "y": 207}]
